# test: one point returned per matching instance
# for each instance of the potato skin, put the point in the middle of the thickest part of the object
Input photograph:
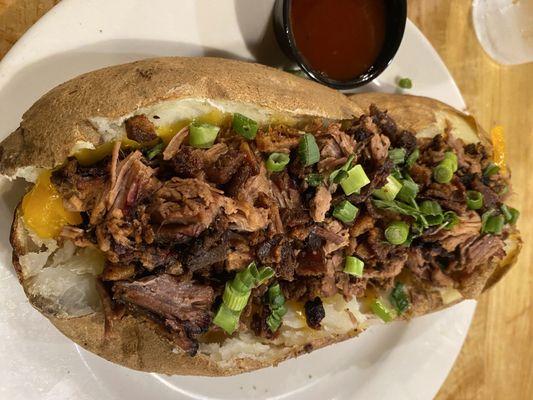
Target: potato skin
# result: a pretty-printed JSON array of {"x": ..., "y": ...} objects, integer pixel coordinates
[{"x": 57, "y": 121}]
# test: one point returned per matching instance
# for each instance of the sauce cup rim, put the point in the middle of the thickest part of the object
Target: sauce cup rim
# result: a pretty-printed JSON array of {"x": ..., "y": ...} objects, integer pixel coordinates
[{"x": 370, "y": 74}]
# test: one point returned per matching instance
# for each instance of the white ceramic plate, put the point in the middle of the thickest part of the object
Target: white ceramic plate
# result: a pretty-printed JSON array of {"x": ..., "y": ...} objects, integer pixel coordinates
[{"x": 400, "y": 361}]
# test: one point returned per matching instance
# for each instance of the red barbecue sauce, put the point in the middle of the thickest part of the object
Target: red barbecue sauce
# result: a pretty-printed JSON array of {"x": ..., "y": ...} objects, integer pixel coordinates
[{"x": 339, "y": 38}]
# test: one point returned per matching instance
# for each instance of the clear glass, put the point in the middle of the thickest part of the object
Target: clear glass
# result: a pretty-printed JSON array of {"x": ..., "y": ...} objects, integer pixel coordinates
[{"x": 505, "y": 29}]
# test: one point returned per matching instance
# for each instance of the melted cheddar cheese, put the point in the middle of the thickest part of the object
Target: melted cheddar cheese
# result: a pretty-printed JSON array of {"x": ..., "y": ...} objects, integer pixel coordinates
[
  {"x": 215, "y": 117},
  {"x": 43, "y": 211},
  {"x": 167, "y": 132},
  {"x": 498, "y": 145}
]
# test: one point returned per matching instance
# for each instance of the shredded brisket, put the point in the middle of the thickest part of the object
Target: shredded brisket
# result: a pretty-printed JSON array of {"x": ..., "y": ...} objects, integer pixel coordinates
[
  {"x": 183, "y": 306},
  {"x": 176, "y": 228}
]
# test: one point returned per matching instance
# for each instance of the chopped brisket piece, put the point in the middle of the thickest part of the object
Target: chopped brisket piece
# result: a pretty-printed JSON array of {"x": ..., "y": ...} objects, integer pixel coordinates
[
  {"x": 140, "y": 129},
  {"x": 223, "y": 169},
  {"x": 188, "y": 162},
  {"x": 80, "y": 187},
  {"x": 320, "y": 204},
  {"x": 184, "y": 306},
  {"x": 311, "y": 263},
  {"x": 480, "y": 251},
  {"x": 314, "y": 312},
  {"x": 278, "y": 139},
  {"x": 490, "y": 198}
]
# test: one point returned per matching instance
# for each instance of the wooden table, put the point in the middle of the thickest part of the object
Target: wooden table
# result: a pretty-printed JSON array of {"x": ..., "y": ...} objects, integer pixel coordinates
[{"x": 497, "y": 358}]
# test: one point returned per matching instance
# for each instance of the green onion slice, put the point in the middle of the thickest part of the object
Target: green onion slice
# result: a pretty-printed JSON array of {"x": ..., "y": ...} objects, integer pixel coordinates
[
  {"x": 506, "y": 213},
  {"x": 345, "y": 211},
  {"x": 514, "y": 215},
  {"x": 277, "y": 301},
  {"x": 154, "y": 151},
  {"x": 405, "y": 83},
  {"x": 397, "y": 207},
  {"x": 236, "y": 295},
  {"x": 314, "y": 180},
  {"x": 277, "y": 162},
  {"x": 273, "y": 322},
  {"x": 226, "y": 319},
  {"x": 399, "y": 298},
  {"x": 397, "y": 155},
  {"x": 412, "y": 158},
  {"x": 491, "y": 223},
  {"x": 355, "y": 180},
  {"x": 474, "y": 200},
  {"x": 510, "y": 214},
  {"x": 450, "y": 220},
  {"x": 379, "y": 308},
  {"x": 389, "y": 191},
  {"x": 274, "y": 291},
  {"x": 244, "y": 126},
  {"x": 452, "y": 159},
  {"x": 354, "y": 266},
  {"x": 408, "y": 191},
  {"x": 337, "y": 176},
  {"x": 340, "y": 175},
  {"x": 264, "y": 275},
  {"x": 397, "y": 232},
  {"x": 277, "y": 307},
  {"x": 503, "y": 190},
  {"x": 202, "y": 135},
  {"x": 429, "y": 207},
  {"x": 435, "y": 219},
  {"x": 308, "y": 150},
  {"x": 432, "y": 212},
  {"x": 490, "y": 170},
  {"x": 443, "y": 173},
  {"x": 233, "y": 299},
  {"x": 244, "y": 280}
]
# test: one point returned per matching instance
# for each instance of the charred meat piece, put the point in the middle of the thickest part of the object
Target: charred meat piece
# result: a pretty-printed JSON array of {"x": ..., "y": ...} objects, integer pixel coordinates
[
  {"x": 398, "y": 138},
  {"x": 279, "y": 253},
  {"x": 311, "y": 263},
  {"x": 223, "y": 169},
  {"x": 140, "y": 129},
  {"x": 294, "y": 217},
  {"x": 314, "y": 312},
  {"x": 184, "y": 306},
  {"x": 202, "y": 256},
  {"x": 188, "y": 162}
]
